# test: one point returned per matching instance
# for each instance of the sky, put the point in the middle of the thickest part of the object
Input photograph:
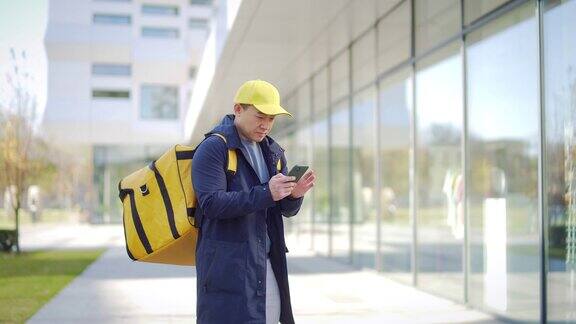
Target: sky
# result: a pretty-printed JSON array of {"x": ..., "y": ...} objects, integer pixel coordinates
[{"x": 22, "y": 27}]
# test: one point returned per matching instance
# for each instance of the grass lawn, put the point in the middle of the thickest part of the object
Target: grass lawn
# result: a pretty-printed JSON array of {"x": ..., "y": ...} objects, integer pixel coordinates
[{"x": 29, "y": 280}]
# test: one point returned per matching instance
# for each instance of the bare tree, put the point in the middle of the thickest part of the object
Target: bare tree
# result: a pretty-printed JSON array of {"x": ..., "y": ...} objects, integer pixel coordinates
[{"x": 20, "y": 151}]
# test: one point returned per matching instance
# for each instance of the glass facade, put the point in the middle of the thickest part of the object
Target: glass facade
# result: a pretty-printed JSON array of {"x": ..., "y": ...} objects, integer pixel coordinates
[{"x": 443, "y": 138}]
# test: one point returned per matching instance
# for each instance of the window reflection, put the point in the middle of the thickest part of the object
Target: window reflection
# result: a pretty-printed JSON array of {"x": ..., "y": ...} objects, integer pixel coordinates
[
  {"x": 440, "y": 184},
  {"x": 363, "y": 178},
  {"x": 395, "y": 97},
  {"x": 560, "y": 172},
  {"x": 321, "y": 163},
  {"x": 502, "y": 71},
  {"x": 321, "y": 190},
  {"x": 340, "y": 163}
]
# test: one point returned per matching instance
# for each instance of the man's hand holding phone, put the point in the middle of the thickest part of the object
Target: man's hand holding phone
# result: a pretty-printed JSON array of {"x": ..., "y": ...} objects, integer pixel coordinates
[
  {"x": 295, "y": 184},
  {"x": 281, "y": 186}
]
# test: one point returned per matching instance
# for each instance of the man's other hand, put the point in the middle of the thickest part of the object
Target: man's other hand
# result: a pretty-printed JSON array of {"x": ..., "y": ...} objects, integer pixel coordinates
[{"x": 304, "y": 184}]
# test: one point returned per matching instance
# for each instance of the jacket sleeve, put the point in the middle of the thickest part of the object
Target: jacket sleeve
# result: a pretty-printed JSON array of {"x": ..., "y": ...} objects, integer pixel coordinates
[
  {"x": 209, "y": 181},
  {"x": 289, "y": 206}
]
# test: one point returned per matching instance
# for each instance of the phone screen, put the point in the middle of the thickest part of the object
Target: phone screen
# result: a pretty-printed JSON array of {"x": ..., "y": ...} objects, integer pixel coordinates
[{"x": 298, "y": 171}]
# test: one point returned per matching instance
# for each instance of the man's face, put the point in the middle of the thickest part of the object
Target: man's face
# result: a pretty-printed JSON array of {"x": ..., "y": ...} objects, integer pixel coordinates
[{"x": 251, "y": 123}]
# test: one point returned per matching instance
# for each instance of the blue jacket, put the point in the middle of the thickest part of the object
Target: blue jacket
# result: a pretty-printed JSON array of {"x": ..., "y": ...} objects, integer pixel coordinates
[{"x": 234, "y": 212}]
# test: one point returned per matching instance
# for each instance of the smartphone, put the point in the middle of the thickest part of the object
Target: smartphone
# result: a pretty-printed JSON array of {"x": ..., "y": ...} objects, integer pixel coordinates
[{"x": 298, "y": 171}]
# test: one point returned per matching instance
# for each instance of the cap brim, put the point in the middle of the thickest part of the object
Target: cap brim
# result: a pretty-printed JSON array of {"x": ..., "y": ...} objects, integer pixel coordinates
[{"x": 272, "y": 110}]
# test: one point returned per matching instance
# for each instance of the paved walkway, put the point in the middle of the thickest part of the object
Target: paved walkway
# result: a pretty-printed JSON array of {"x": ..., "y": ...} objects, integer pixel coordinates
[
  {"x": 113, "y": 289},
  {"x": 69, "y": 236}
]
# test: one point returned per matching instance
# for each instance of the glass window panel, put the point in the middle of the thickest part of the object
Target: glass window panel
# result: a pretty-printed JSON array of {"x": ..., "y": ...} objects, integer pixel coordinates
[
  {"x": 364, "y": 178},
  {"x": 317, "y": 151},
  {"x": 436, "y": 21},
  {"x": 160, "y": 10},
  {"x": 394, "y": 37},
  {"x": 111, "y": 94},
  {"x": 107, "y": 19},
  {"x": 201, "y": 2},
  {"x": 363, "y": 60},
  {"x": 440, "y": 184},
  {"x": 395, "y": 97},
  {"x": 159, "y": 102},
  {"x": 474, "y": 9},
  {"x": 198, "y": 23},
  {"x": 318, "y": 136},
  {"x": 341, "y": 184},
  {"x": 111, "y": 69},
  {"x": 321, "y": 191},
  {"x": 560, "y": 165},
  {"x": 503, "y": 117},
  {"x": 158, "y": 32},
  {"x": 339, "y": 76}
]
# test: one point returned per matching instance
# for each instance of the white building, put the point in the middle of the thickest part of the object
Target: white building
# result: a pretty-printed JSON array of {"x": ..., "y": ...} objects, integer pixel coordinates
[{"x": 120, "y": 74}]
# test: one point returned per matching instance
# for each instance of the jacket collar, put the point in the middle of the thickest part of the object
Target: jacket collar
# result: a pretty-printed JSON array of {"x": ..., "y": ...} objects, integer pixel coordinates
[{"x": 229, "y": 131}]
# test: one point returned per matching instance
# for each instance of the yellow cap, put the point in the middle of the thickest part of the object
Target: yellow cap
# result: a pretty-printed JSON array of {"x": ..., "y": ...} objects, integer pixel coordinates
[{"x": 262, "y": 95}]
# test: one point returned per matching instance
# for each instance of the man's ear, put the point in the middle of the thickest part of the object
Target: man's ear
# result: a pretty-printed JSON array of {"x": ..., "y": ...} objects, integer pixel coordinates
[{"x": 237, "y": 109}]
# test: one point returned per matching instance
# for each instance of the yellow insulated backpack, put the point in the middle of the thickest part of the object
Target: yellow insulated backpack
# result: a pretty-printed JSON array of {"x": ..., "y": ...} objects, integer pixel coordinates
[{"x": 158, "y": 203}]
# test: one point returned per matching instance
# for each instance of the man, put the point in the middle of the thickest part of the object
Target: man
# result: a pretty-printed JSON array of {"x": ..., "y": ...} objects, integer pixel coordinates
[{"x": 241, "y": 253}]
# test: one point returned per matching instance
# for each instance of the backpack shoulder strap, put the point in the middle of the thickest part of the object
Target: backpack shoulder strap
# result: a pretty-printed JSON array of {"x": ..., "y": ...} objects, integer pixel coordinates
[{"x": 232, "y": 159}]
